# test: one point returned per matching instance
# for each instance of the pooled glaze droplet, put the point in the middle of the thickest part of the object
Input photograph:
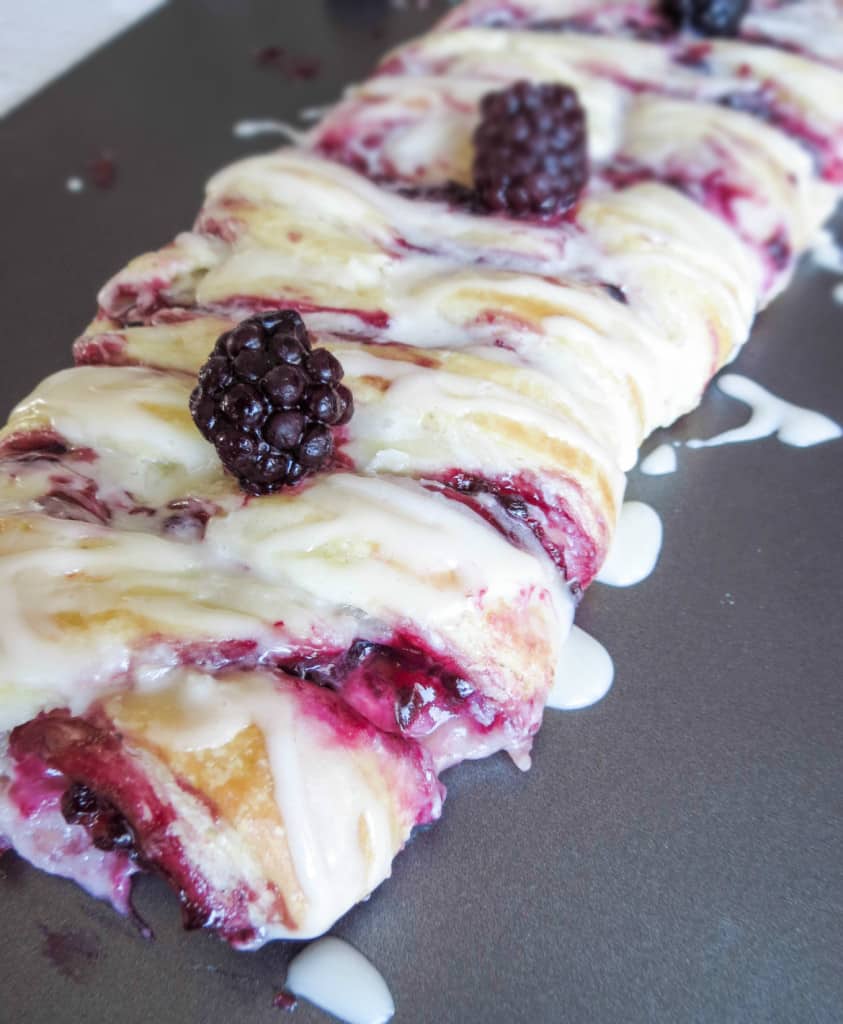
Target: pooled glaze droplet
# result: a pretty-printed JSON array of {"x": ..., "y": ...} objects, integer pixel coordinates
[
  {"x": 584, "y": 673},
  {"x": 337, "y": 978},
  {"x": 837, "y": 293},
  {"x": 247, "y": 129},
  {"x": 635, "y": 547},
  {"x": 660, "y": 461},
  {"x": 792, "y": 424},
  {"x": 74, "y": 184}
]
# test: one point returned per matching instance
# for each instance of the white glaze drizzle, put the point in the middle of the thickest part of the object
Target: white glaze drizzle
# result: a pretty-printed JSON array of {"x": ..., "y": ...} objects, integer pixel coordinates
[
  {"x": 339, "y": 829},
  {"x": 337, "y": 978},
  {"x": 660, "y": 462},
  {"x": 584, "y": 673},
  {"x": 356, "y": 529},
  {"x": 386, "y": 545},
  {"x": 791, "y": 424},
  {"x": 807, "y": 25},
  {"x": 337, "y": 822},
  {"x": 250, "y": 128},
  {"x": 438, "y": 300},
  {"x": 315, "y": 113},
  {"x": 74, "y": 184},
  {"x": 827, "y": 253},
  {"x": 63, "y": 643},
  {"x": 635, "y": 548}
]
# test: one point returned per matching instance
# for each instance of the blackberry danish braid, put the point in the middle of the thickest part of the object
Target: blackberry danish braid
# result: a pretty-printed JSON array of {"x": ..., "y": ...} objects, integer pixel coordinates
[{"x": 307, "y": 522}]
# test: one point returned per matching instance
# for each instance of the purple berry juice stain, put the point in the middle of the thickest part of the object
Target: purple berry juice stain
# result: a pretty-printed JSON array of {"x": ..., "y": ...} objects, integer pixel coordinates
[{"x": 74, "y": 953}]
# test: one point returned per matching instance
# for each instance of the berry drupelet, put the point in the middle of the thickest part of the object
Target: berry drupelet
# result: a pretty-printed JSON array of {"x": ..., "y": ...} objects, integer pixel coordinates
[
  {"x": 106, "y": 826},
  {"x": 708, "y": 17},
  {"x": 530, "y": 152},
  {"x": 267, "y": 400}
]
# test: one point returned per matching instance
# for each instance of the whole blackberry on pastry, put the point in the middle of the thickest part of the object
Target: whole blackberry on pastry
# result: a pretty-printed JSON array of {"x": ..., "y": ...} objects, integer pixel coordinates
[
  {"x": 530, "y": 151},
  {"x": 268, "y": 401}
]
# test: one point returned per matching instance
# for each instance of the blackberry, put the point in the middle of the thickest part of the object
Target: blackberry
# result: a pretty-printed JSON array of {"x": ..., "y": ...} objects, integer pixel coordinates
[
  {"x": 530, "y": 153},
  {"x": 106, "y": 826},
  {"x": 708, "y": 17},
  {"x": 267, "y": 400}
]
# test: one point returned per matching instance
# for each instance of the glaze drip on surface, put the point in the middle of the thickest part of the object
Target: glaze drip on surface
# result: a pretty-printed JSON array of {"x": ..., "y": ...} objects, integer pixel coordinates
[
  {"x": 827, "y": 253},
  {"x": 584, "y": 673},
  {"x": 250, "y": 128},
  {"x": 635, "y": 548},
  {"x": 660, "y": 462},
  {"x": 791, "y": 424},
  {"x": 338, "y": 979}
]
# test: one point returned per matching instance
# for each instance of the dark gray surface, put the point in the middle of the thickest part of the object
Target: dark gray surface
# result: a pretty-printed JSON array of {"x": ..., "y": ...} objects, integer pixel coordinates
[{"x": 675, "y": 853}]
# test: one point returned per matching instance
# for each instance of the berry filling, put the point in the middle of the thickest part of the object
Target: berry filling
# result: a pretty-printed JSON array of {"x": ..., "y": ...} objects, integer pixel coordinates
[
  {"x": 31, "y": 814},
  {"x": 108, "y": 794},
  {"x": 644, "y": 25},
  {"x": 762, "y": 103},
  {"x": 516, "y": 506},
  {"x": 33, "y": 445},
  {"x": 186, "y": 519},
  {"x": 69, "y": 492},
  {"x": 399, "y": 689},
  {"x": 127, "y": 811},
  {"x": 106, "y": 826},
  {"x": 267, "y": 402},
  {"x": 403, "y": 689},
  {"x": 718, "y": 193}
]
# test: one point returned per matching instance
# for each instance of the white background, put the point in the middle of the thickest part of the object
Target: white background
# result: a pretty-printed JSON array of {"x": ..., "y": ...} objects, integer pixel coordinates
[{"x": 39, "y": 39}]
